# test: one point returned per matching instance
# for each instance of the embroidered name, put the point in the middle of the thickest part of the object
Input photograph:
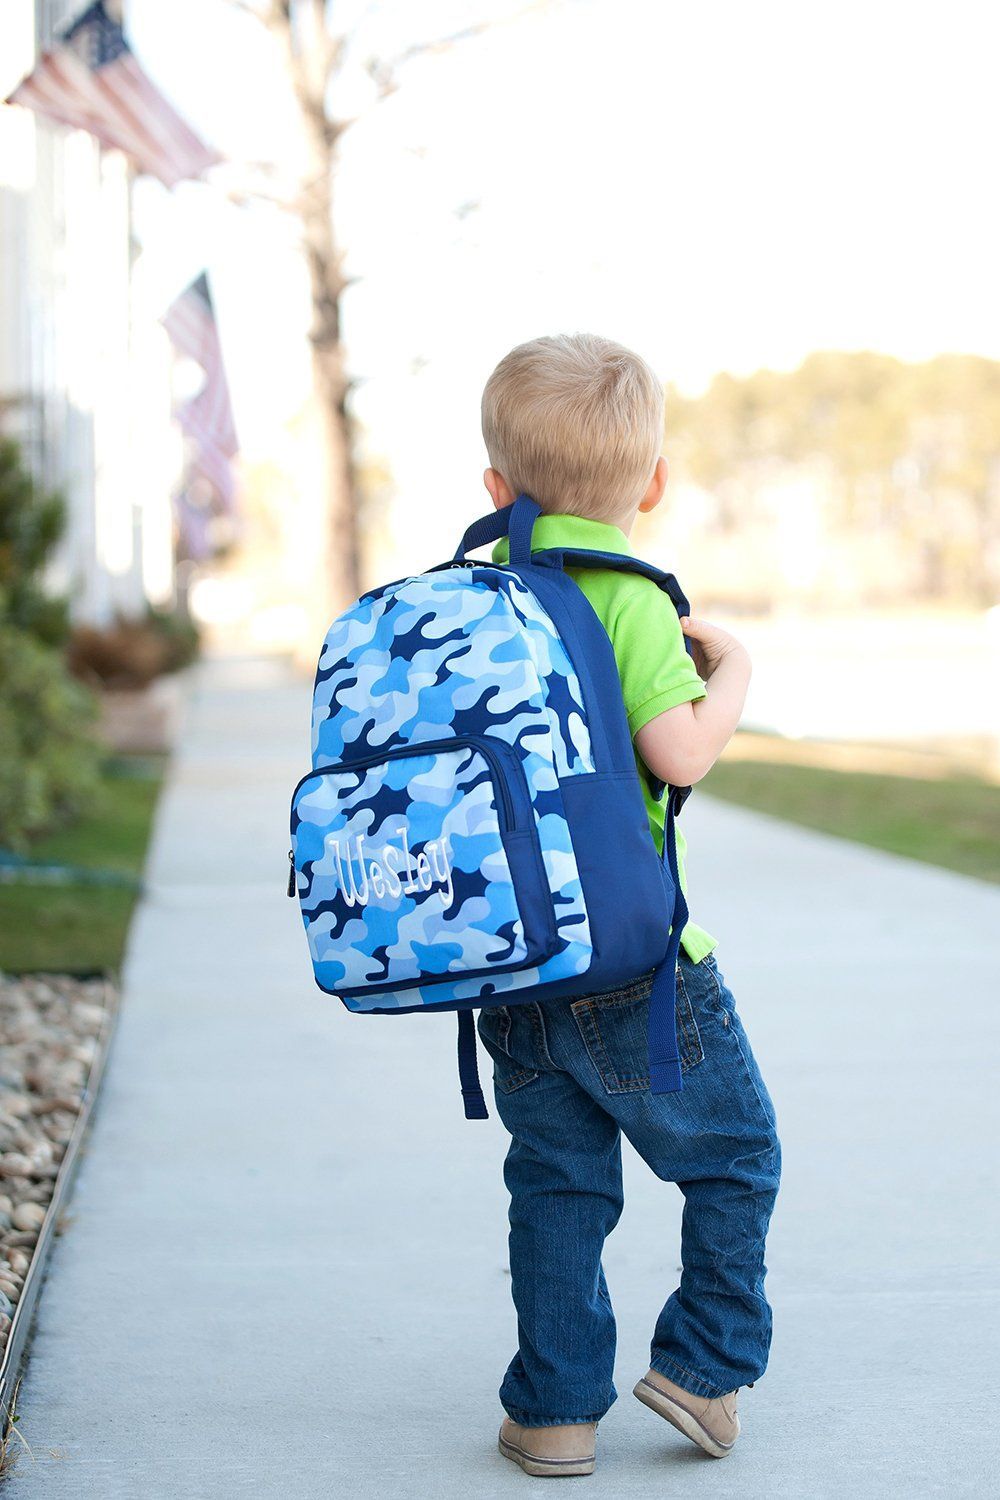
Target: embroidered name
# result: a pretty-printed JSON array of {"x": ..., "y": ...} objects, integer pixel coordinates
[{"x": 392, "y": 871}]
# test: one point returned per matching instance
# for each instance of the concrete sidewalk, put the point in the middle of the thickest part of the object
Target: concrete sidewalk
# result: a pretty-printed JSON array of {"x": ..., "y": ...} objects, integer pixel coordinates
[{"x": 285, "y": 1272}]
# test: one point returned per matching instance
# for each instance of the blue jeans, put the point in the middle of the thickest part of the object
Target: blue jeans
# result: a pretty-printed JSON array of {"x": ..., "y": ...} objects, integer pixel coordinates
[{"x": 569, "y": 1077}]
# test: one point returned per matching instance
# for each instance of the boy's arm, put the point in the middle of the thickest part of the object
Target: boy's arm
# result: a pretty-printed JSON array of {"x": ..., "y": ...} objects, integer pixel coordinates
[{"x": 681, "y": 745}]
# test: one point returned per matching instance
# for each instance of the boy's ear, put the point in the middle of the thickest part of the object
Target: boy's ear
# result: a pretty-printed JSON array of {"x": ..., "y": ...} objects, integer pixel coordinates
[
  {"x": 657, "y": 485},
  {"x": 500, "y": 491}
]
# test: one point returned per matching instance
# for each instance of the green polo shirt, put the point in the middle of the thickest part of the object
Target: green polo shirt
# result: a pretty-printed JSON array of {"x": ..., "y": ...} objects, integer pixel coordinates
[{"x": 655, "y": 669}]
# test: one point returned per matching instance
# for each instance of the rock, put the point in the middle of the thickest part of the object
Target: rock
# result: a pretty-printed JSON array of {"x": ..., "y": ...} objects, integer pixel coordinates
[
  {"x": 49, "y": 1105},
  {"x": 14, "y": 1164},
  {"x": 50, "y": 1026},
  {"x": 21, "y": 1238},
  {"x": 89, "y": 1018},
  {"x": 28, "y": 1216}
]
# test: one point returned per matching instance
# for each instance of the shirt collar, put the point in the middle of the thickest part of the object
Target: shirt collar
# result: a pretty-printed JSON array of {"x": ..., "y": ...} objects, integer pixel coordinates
[{"x": 571, "y": 532}]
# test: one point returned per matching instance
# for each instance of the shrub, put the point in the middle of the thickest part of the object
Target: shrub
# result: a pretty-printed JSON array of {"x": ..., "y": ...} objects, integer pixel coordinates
[
  {"x": 31, "y": 523},
  {"x": 179, "y": 634},
  {"x": 130, "y": 653},
  {"x": 48, "y": 760}
]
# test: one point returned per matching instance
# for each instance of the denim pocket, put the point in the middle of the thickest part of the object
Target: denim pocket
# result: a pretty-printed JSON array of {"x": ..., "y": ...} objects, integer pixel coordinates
[
  {"x": 495, "y": 1026},
  {"x": 614, "y": 1028},
  {"x": 705, "y": 990}
]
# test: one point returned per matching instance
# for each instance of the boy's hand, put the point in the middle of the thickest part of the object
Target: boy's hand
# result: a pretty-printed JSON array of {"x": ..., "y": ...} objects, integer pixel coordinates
[
  {"x": 683, "y": 743},
  {"x": 711, "y": 644}
]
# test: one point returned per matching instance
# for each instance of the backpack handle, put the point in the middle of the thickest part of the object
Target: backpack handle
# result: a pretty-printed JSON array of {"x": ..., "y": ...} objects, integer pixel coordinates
[{"x": 515, "y": 521}]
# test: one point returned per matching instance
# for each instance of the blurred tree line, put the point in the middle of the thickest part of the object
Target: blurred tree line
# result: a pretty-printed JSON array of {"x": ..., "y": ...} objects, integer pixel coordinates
[{"x": 898, "y": 465}]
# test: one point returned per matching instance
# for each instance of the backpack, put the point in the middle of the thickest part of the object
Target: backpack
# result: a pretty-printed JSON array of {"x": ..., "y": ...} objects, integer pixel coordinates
[{"x": 473, "y": 831}]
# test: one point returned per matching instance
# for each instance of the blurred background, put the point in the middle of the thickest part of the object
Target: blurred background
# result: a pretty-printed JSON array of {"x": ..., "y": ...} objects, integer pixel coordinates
[{"x": 258, "y": 258}]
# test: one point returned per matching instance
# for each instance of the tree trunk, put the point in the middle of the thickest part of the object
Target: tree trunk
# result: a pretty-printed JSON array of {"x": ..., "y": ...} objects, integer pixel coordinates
[
  {"x": 312, "y": 56},
  {"x": 331, "y": 387}
]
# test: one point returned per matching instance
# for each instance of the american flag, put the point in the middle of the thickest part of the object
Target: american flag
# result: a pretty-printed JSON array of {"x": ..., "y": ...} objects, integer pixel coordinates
[
  {"x": 195, "y": 542},
  {"x": 90, "y": 80},
  {"x": 206, "y": 417}
]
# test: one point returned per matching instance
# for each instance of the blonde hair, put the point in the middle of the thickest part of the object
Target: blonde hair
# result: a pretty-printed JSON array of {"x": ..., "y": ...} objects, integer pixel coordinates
[{"x": 576, "y": 422}]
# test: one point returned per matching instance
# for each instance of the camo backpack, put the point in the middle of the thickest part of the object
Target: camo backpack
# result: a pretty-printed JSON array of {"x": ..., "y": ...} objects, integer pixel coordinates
[{"x": 472, "y": 831}]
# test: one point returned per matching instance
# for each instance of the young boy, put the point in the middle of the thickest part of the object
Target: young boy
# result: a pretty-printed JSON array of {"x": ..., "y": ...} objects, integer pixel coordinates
[{"x": 576, "y": 422}]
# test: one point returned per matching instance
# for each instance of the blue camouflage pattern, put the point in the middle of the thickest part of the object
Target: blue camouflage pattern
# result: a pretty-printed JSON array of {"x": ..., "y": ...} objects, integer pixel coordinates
[
  {"x": 463, "y": 651},
  {"x": 458, "y": 653},
  {"x": 404, "y": 873}
]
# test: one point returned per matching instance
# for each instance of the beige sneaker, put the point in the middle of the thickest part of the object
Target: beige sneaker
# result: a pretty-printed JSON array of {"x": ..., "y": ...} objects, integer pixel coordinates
[
  {"x": 713, "y": 1425},
  {"x": 548, "y": 1452}
]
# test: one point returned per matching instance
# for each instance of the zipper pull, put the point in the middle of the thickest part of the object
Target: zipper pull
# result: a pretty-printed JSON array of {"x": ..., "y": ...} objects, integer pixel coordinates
[{"x": 291, "y": 872}]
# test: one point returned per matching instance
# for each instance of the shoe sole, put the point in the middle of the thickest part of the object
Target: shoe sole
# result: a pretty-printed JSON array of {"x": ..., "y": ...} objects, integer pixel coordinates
[
  {"x": 545, "y": 1468},
  {"x": 685, "y": 1421}
]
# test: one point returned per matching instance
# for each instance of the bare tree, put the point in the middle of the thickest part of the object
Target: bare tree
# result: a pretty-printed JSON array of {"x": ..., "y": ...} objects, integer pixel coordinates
[{"x": 315, "y": 54}]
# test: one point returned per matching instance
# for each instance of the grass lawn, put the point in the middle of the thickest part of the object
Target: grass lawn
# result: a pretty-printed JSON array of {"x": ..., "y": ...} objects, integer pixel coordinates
[
  {"x": 80, "y": 928},
  {"x": 953, "y": 822}
]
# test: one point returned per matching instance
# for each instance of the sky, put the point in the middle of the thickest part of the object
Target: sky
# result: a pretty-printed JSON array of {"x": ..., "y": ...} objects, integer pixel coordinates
[{"x": 723, "y": 186}]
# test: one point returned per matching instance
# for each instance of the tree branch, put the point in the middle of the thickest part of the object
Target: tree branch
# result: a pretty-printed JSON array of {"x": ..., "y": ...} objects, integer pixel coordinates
[{"x": 383, "y": 72}]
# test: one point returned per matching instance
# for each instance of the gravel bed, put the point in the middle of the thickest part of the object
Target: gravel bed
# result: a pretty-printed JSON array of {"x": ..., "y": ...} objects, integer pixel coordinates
[{"x": 52, "y": 1031}]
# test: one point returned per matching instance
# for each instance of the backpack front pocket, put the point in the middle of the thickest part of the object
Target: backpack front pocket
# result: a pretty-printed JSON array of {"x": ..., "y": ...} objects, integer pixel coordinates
[{"x": 420, "y": 864}]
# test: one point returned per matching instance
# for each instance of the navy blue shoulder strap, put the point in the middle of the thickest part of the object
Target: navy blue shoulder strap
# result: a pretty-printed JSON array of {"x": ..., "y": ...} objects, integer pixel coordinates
[
  {"x": 517, "y": 521},
  {"x": 621, "y": 562},
  {"x": 664, "y": 1062},
  {"x": 468, "y": 1070},
  {"x": 581, "y": 557}
]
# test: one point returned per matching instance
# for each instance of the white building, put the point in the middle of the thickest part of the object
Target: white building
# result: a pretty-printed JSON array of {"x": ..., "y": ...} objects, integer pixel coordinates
[{"x": 84, "y": 370}]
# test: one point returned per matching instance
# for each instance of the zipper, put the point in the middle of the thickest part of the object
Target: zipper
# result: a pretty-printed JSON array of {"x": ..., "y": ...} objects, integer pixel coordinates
[
  {"x": 491, "y": 753},
  {"x": 487, "y": 749},
  {"x": 514, "y": 815}
]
